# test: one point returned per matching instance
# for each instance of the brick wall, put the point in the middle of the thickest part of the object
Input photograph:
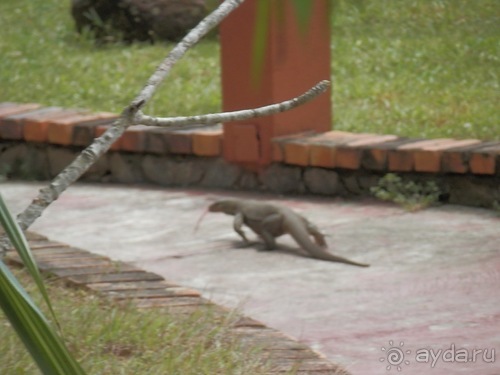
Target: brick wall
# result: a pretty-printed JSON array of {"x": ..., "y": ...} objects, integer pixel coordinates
[{"x": 37, "y": 142}]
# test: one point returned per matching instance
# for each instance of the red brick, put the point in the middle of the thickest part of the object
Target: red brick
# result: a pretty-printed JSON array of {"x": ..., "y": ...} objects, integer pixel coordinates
[
  {"x": 376, "y": 156},
  {"x": 322, "y": 155},
  {"x": 337, "y": 135},
  {"x": 241, "y": 143},
  {"x": 8, "y": 109},
  {"x": 36, "y": 128},
  {"x": 485, "y": 160},
  {"x": 324, "y": 147},
  {"x": 61, "y": 131},
  {"x": 349, "y": 156},
  {"x": 297, "y": 153},
  {"x": 456, "y": 160},
  {"x": 288, "y": 148},
  {"x": 85, "y": 132},
  {"x": 372, "y": 140},
  {"x": 428, "y": 158},
  {"x": 12, "y": 126},
  {"x": 155, "y": 140},
  {"x": 134, "y": 139},
  {"x": 100, "y": 130},
  {"x": 278, "y": 154},
  {"x": 207, "y": 142},
  {"x": 179, "y": 142},
  {"x": 402, "y": 159}
]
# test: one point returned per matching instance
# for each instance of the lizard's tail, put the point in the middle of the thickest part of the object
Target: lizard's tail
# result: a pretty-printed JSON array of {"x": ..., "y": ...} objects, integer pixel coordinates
[
  {"x": 317, "y": 252},
  {"x": 199, "y": 220}
]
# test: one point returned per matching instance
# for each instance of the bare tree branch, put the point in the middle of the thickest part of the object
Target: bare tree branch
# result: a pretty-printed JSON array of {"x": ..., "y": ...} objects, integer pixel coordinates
[
  {"x": 132, "y": 115},
  {"x": 100, "y": 145},
  {"x": 244, "y": 114}
]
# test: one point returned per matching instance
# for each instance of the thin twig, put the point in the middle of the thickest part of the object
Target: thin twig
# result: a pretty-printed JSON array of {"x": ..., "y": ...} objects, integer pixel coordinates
[{"x": 244, "y": 114}]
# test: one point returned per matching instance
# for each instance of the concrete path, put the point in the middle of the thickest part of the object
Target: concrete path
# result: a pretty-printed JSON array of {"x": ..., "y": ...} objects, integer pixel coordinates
[{"x": 430, "y": 302}]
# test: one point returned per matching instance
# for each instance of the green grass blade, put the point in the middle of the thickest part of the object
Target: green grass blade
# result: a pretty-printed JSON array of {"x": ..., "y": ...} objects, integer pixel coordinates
[
  {"x": 303, "y": 10},
  {"x": 43, "y": 343},
  {"x": 19, "y": 242},
  {"x": 260, "y": 40}
]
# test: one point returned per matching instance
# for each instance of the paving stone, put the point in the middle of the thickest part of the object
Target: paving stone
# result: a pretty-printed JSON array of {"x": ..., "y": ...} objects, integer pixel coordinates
[
  {"x": 282, "y": 179},
  {"x": 41, "y": 245},
  {"x": 350, "y": 183},
  {"x": 60, "y": 158},
  {"x": 245, "y": 321},
  {"x": 170, "y": 302},
  {"x": 96, "y": 270},
  {"x": 173, "y": 172},
  {"x": 293, "y": 354},
  {"x": 220, "y": 174},
  {"x": 170, "y": 292},
  {"x": 63, "y": 253},
  {"x": 248, "y": 181},
  {"x": 125, "y": 168},
  {"x": 130, "y": 285},
  {"x": 321, "y": 181},
  {"x": 32, "y": 236},
  {"x": 12, "y": 159},
  {"x": 113, "y": 277},
  {"x": 68, "y": 263}
]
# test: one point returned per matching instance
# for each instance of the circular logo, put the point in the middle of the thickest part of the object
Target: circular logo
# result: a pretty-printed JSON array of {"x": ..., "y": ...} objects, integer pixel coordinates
[{"x": 395, "y": 356}]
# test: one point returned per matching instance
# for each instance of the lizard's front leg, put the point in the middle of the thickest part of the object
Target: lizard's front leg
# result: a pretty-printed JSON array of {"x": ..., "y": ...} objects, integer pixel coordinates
[
  {"x": 270, "y": 228},
  {"x": 238, "y": 224}
]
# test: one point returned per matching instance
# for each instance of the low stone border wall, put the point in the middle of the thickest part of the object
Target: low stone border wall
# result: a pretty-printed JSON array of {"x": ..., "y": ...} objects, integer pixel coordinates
[
  {"x": 37, "y": 142},
  {"x": 122, "y": 281}
]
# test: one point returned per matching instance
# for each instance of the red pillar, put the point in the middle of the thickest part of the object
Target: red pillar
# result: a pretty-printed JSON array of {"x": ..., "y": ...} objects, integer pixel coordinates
[{"x": 295, "y": 60}]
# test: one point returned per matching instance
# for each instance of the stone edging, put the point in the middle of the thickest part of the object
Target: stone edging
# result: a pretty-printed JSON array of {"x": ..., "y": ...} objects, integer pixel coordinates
[
  {"x": 119, "y": 281},
  {"x": 40, "y": 141}
]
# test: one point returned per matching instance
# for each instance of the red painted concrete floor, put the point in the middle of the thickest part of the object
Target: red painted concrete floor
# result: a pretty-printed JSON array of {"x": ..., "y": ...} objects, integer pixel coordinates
[{"x": 430, "y": 302}]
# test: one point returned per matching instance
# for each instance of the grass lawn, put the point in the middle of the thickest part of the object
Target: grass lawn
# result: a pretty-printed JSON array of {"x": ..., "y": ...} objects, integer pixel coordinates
[
  {"x": 427, "y": 68},
  {"x": 108, "y": 339}
]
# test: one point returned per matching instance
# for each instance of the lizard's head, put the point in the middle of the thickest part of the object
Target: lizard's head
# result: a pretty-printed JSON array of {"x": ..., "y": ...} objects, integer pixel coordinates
[{"x": 227, "y": 206}]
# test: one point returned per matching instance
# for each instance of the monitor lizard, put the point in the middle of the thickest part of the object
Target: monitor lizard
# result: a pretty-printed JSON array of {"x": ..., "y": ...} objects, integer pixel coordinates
[{"x": 269, "y": 221}]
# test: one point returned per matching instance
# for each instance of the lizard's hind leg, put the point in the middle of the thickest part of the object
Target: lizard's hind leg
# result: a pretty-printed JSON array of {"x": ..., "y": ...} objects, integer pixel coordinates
[{"x": 313, "y": 231}]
